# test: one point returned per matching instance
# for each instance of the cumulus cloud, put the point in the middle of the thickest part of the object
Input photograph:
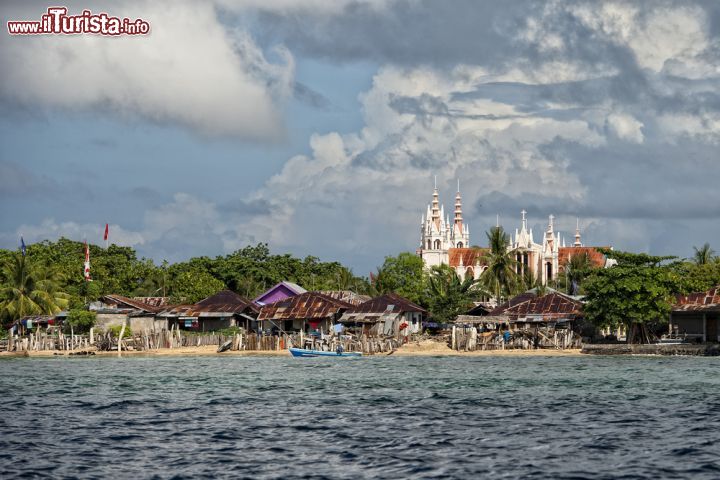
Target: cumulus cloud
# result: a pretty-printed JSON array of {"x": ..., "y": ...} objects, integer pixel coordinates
[{"x": 190, "y": 71}]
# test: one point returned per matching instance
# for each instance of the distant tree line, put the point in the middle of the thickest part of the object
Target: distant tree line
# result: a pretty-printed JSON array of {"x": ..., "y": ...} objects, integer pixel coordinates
[{"x": 636, "y": 292}]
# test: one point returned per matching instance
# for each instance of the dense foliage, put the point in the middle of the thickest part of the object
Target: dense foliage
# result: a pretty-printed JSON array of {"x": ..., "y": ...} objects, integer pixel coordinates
[
  {"x": 80, "y": 320},
  {"x": 636, "y": 292},
  {"x": 51, "y": 275}
]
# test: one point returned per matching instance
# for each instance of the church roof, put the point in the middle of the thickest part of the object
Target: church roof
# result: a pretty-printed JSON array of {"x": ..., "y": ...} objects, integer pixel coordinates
[
  {"x": 596, "y": 257},
  {"x": 469, "y": 256}
]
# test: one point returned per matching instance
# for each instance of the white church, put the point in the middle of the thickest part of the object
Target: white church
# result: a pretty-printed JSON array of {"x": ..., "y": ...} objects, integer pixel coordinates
[{"x": 445, "y": 242}]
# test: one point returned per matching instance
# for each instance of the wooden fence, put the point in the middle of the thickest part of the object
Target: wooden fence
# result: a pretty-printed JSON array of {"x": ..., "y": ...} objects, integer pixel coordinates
[
  {"x": 470, "y": 339},
  {"x": 175, "y": 338}
]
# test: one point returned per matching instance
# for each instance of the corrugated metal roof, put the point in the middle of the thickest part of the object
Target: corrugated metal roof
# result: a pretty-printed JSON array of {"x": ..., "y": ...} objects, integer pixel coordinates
[
  {"x": 304, "y": 306},
  {"x": 708, "y": 301},
  {"x": 390, "y": 302},
  {"x": 113, "y": 299},
  {"x": 346, "y": 296},
  {"x": 154, "y": 301},
  {"x": 551, "y": 306},
  {"x": 225, "y": 301}
]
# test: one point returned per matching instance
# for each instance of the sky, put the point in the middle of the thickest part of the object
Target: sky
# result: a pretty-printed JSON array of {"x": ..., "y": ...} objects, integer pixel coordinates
[{"x": 319, "y": 127}]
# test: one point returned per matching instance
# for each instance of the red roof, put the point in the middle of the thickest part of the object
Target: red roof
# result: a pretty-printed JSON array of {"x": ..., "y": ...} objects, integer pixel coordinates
[
  {"x": 304, "y": 306},
  {"x": 550, "y": 306},
  {"x": 469, "y": 256},
  {"x": 597, "y": 259},
  {"x": 699, "y": 302}
]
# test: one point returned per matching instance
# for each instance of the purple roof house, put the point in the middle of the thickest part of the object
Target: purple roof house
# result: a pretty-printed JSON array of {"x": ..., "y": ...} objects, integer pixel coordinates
[{"x": 281, "y": 291}]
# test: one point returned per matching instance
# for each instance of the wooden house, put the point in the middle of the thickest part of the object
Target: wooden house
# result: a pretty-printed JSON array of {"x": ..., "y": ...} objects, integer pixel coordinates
[
  {"x": 137, "y": 312},
  {"x": 224, "y": 309},
  {"x": 697, "y": 315},
  {"x": 309, "y": 312},
  {"x": 553, "y": 309},
  {"x": 386, "y": 315}
]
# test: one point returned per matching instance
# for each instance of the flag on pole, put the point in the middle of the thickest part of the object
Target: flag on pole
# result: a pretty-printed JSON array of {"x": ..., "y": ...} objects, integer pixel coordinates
[
  {"x": 22, "y": 246},
  {"x": 87, "y": 263},
  {"x": 107, "y": 232}
]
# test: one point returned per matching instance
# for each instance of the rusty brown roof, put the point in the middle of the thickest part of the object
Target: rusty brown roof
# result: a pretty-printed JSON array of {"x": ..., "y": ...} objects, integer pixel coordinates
[
  {"x": 304, "y": 306},
  {"x": 384, "y": 303},
  {"x": 699, "y": 301},
  {"x": 225, "y": 301},
  {"x": 550, "y": 306},
  {"x": 120, "y": 301},
  {"x": 346, "y": 296},
  {"x": 523, "y": 297},
  {"x": 154, "y": 301}
]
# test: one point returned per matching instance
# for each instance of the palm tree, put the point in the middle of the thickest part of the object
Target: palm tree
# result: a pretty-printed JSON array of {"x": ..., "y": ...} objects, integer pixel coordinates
[
  {"x": 577, "y": 269},
  {"x": 28, "y": 289},
  {"x": 448, "y": 295},
  {"x": 704, "y": 254},
  {"x": 500, "y": 277}
]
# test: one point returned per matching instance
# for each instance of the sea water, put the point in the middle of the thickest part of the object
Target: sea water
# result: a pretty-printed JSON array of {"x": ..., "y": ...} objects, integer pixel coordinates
[{"x": 373, "y": 417}]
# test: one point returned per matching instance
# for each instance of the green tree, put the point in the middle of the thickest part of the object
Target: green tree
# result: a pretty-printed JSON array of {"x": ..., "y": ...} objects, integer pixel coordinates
[
  {"x": 81, "y": 320},
  {"x": 448, "y": 296},
  {"x": 404, "y": 275},
  {"x": 499, "y": 277},
  {"x": 636, "y": 292},
  {"x": 29, "y": 289},
  {"x": 193, "y": 285},
  {"x": 704, "y": 255}
]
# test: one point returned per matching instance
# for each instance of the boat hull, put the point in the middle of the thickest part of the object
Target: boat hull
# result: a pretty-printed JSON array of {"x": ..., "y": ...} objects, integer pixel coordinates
[{"x": 302, "y": 352}]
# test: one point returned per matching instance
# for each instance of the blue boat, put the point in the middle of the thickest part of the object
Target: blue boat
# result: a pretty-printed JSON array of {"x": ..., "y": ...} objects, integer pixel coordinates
[{"x": 302, "y": 352}]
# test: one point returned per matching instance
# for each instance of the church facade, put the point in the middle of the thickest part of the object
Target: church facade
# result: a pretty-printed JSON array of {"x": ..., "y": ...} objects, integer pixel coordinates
[{"x": 446, "y": 242}]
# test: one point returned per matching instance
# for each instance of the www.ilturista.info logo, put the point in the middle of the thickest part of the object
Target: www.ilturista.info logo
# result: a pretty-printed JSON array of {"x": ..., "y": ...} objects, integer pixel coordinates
[{"x": 58, "y": 22}]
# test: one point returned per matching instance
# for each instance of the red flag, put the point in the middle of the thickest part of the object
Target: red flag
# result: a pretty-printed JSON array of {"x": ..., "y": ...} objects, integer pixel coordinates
[
  {"x": 107, "y": 231},
  {"x": 86, "y": 269}
]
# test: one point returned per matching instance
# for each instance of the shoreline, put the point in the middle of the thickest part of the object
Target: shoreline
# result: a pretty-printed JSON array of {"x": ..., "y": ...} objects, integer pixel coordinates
[{"x": 424, "y": 349}]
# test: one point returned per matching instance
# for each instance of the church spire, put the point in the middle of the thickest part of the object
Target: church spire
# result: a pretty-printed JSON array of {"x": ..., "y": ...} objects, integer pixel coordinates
[
  {"x": 578, "y": 241},
  {"x": 435, "y": 212},
  {"x": 458, "y": 207}
]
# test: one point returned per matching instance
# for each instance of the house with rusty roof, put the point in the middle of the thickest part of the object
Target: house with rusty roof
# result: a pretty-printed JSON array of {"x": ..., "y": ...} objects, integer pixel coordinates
[
  {"x": 224, "y": 309},
  {"x": 137, "y": 312},
  {"x": 280, "y": 291},
  {"x": 388, "y": 315},
  {"x": 697, "y": 315},
  {"x": 551, "y": 309},
  {"x": 308, "y": 312}
]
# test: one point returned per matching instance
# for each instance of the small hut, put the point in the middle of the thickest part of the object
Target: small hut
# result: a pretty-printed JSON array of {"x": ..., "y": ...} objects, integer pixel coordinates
[
  {"x": 309, "y": 312},
  {"x": 695, "y": 316},
  {"x": 224, "y": 309},
  {"x": 388, "y": 315},
  {"x": 138, "y": 312}
]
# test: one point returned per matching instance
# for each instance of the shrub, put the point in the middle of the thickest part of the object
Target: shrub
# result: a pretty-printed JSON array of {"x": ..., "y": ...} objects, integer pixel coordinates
[
  {"x": 81, "y": 320},
  {"x": 115, "y": 330}
]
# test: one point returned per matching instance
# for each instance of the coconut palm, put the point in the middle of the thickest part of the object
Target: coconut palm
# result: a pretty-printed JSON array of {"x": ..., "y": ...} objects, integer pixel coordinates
[
  {"x": 448, "y": 295},
  {"x": 500, "y": 277},
  {"x": 28, "y": 289},
  {"x": 577, "y": 269},
  {"x": 704, "y": 254}
]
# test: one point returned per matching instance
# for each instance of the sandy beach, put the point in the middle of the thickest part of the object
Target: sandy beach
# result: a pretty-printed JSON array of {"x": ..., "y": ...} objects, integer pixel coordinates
[{"x": 422, "y": 348}]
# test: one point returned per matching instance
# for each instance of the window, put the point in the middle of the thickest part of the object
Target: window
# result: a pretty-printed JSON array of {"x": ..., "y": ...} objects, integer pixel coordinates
[
  {"x": 459, "y": 245},
  {"x": 437, "y": 244}
]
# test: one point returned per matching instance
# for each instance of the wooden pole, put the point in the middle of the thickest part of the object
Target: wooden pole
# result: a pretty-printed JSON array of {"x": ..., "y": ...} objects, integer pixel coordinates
[{"x": 122, "y": 332}]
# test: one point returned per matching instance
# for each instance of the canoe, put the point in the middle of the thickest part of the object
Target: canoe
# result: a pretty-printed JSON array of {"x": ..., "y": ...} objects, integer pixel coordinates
[
  {"x": 225, "y": 346},
  {"x": 302, "y": 352}
]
